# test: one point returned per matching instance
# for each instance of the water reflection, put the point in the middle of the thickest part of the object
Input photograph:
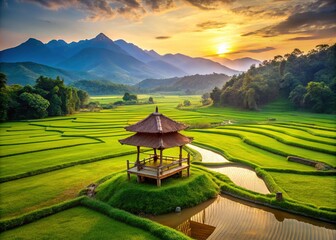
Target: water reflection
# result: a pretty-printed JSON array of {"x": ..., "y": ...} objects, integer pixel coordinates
[
  {"x": 243, "y": 177},
  {"x": 229, "y": 218}
]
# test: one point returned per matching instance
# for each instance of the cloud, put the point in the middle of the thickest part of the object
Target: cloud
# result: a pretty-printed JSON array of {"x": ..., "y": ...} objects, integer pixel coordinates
[
  {"x": 210, "y": 25},
  {"x": 256, "y": 50},
  {"x": 311, "y": 19},
  {"x": 261, "y": 11},
  {"x": 318, "y": 34},
  {"x": 209, "y": 4},
  {"x": 162, "y": 37},
  {"x": 158, "y": 5},
  {"x": 259, "y": 50},
  {"x": 107, "y": 9}
]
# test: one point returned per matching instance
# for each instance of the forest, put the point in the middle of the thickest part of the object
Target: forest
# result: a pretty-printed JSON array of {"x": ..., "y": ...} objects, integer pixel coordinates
[
  {"x": 48, "y": 97},
  {"x": 307, "y": 80}
]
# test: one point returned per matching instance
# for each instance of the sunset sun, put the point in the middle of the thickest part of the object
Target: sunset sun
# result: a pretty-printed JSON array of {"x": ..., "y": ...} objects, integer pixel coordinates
[{"x": 223, "y": 48}]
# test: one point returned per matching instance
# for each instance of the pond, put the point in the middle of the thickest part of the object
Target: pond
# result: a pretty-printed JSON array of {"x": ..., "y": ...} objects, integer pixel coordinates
[{"x": 228, "y": 218}]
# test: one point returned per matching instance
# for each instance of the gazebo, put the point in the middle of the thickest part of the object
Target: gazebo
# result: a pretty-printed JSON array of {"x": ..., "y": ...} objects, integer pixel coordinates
[{"x": 158, "y": 132}]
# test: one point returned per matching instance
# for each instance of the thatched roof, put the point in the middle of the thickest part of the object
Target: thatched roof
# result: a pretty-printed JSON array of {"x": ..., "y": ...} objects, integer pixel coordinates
[
  {"x": 156, "y": 123},
  {"x": 158, "y": 140}
]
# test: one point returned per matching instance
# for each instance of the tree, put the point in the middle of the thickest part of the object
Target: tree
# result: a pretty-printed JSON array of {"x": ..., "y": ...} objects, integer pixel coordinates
[
  {"x": 35, "y": 105},
  {"x": 3, "y": 80},
  {"x": 186, "y": 103},
  {"x": 296, "y": 96},
  {"x": 319, "y": 97},
  {"x": 129, "y": 97},
  {"x": 206, "y": 100},
  {"x": 215, "y": 95},
  {"x": 150, "y": 100},
  {"x": 126, "y": 96}
]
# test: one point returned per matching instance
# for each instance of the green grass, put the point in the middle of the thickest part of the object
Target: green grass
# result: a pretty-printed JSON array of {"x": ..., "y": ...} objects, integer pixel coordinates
[
  {"x": 147, "y": 198},
  {"x": 317, "y": 190},
  {"x": 234, "y": 147},
  {"x": 272, "y": 143},
  {"x": 27, "y": 194},
  {"x": 77, "y": 223},
  {"x": 53, "y": 142}
]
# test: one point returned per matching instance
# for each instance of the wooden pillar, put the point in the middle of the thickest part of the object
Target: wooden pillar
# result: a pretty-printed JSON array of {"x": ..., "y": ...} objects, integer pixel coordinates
[
  {"x": 161, "y": 156},
  {"x": 128, "y": 174},
  {"x": 158, "y": 182},
  {"x": 188, "y": 162},
  {"x": 155, "y": 155},
  {"x": 180, "y": 156},
  {"x": 138, "y": 158}
]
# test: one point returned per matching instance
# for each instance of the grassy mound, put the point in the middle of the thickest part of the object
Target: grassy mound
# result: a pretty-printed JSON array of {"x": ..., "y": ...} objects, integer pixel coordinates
[{"x": 149, "y": 199}]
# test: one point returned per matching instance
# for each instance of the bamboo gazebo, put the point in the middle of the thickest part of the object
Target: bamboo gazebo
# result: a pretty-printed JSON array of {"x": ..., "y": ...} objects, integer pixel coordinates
[{"x": 158, "y": 132}]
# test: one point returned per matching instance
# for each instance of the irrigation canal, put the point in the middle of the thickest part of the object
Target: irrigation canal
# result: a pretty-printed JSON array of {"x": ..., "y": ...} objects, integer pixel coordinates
[{"x": 229, "y": 218}]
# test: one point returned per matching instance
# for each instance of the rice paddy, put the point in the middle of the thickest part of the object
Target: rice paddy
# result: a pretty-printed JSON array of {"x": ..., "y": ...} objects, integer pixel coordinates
[{"x": 48, "y": 161}]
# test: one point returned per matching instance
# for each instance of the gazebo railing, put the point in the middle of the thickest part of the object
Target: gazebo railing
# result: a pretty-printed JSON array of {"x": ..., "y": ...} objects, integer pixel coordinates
[{"x": 175, "y": 161}]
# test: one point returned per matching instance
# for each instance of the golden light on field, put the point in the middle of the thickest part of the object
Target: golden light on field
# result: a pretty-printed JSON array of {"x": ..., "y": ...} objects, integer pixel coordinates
[{"x": 223, "y": 48}]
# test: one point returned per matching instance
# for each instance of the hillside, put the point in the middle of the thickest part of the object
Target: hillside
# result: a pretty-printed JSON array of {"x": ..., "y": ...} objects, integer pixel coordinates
[
  {"x": 193, "y": 84},
  {"x": 100, "y": 87},
  {"x": 27, "y": 72},
  {"x": 307, "y": 80},
  {"x": 240, "y": 64}
]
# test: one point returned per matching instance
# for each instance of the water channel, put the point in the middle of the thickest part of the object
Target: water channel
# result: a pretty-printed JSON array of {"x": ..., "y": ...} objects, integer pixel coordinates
[{"x": 229, "y": 218}]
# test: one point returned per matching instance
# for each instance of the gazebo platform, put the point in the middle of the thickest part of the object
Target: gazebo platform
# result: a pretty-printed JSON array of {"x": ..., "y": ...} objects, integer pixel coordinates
[{"x": 151, "y": 167}]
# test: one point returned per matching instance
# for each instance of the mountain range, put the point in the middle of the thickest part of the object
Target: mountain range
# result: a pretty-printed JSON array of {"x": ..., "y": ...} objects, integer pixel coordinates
[
  {"x": 99, "y": 58},
  {"x": 194, "y": 84}
]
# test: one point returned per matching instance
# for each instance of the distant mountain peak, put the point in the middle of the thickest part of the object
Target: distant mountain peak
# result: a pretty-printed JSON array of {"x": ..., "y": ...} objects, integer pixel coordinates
[
  {"x": 102, "y": 37},
  {"x": 33, "y": 41}
]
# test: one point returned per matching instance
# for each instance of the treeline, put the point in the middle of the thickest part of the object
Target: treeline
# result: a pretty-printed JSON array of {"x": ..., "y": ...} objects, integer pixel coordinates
[
  {"x": 48, "y": 97},
  {"x": 307, "y": 80},
  {"x": 100, "y": 87}
]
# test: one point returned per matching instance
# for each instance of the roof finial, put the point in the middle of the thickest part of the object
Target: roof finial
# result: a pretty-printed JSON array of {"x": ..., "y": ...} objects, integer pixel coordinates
[{"x": 156, "y": 109}]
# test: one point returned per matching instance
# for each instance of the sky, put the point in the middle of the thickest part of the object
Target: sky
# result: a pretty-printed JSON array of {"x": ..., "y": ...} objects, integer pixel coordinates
[{"x": 260, "y": 29}]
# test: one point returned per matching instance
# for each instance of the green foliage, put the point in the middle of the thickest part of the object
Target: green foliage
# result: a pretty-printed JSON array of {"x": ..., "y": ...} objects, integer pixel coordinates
[
  {"x": 307, "y": 80},
  {"x": 319, "y": 97},
  {"x": 150, "y": 100},
  {"x": 186, "y": 103},
  {"x": 35, "y": 105},
  {"x": 129, "y": 97},
  {"x": 147, "y": 198},
  {"x": 48, "y": 97}
]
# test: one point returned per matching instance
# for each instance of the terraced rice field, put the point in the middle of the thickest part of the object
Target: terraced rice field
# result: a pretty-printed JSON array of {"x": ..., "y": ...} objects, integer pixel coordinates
[
  {"x": 43, "y": 162},
  {"x": 77, "y": 223}
]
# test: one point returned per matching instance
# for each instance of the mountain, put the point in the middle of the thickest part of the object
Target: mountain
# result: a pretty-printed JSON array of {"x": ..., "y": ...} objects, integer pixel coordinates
[
  {"x": 151, "y": 59},
  {"x": 31, "y": 51},
  {"x": 197, "y": 65},
  {"x": 102, "y": 58},
  {"x": 240, "y": 64},
  {"x": 196, "y": 83},
  {"x": 114, "y": 66},
  {"x": 135, "y": 51},
  {"x": 27, "y": 72}
]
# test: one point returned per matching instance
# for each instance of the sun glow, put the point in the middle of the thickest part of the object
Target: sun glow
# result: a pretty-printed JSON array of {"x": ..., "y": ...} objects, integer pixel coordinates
[{"x": 223, "y": 48}]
